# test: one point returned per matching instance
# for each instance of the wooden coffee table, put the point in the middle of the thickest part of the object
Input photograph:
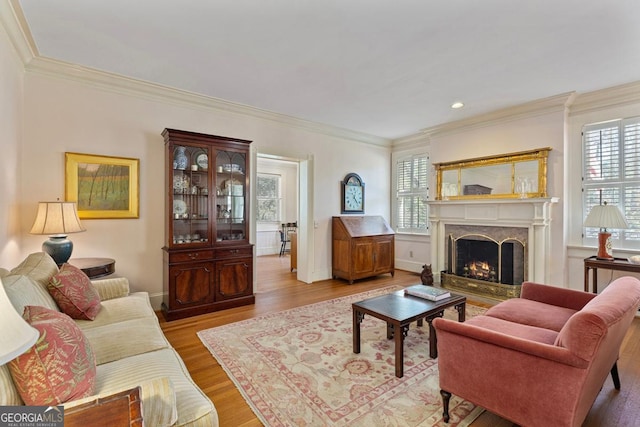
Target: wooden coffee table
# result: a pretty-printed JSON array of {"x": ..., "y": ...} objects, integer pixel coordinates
[{"x": 398, "y": 311}]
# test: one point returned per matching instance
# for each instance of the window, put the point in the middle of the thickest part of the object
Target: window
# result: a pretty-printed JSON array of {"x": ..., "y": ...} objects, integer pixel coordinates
[
  {"x": 412, "y": 193},
  {"x": 269, "y": 200},
  {"x": 611, "y": 158}
]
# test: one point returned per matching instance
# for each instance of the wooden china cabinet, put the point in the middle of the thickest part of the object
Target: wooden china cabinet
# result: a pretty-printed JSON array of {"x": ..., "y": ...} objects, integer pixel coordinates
[{"x": 208, "y": 260}]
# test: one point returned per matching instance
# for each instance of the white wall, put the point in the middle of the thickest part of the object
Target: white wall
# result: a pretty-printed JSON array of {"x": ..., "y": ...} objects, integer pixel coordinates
[
  {"x": 64, "y": 115},
  {"x": 502, "y": 134},
  {"x": 11, "y": 82},
  {"x": 545, "y": 130},
  {"x": 560, "y": 129}
]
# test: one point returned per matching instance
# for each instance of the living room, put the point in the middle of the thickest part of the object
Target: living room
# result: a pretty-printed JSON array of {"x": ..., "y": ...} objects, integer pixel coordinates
[{"x": 50, "y": 107}]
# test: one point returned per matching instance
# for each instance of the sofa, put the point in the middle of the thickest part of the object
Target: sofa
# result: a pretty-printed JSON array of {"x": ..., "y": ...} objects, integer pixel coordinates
[
  {"x": 541, "y": 359},
  {"x": 125, "y": 340}
]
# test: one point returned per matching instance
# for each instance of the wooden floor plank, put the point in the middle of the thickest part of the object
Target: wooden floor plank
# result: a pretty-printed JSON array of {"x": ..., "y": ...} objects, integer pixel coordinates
[{"x": 279, "y": 290}]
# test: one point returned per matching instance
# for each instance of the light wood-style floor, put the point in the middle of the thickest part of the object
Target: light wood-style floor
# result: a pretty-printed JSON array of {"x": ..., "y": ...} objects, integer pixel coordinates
[{"x": 279, "y": 290}]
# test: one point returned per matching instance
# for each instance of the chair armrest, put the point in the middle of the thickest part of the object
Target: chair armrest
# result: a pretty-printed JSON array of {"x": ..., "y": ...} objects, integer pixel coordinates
[
  {"x": 533, "y": 348},
  {"x": 111, "y": 288},
  {"x": 561, "y": 297}
]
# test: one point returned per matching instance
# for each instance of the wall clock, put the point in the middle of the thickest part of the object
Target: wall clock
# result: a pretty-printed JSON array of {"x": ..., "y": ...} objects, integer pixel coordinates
[{"x": 352, "y": 194}]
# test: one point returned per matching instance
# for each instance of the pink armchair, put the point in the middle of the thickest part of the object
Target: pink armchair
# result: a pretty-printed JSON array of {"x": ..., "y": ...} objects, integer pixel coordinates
[{"x": 541, "y": 359}]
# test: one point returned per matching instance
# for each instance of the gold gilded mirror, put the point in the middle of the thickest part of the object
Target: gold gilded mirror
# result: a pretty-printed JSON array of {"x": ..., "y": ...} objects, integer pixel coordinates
[{"x": 514, "y": 175}]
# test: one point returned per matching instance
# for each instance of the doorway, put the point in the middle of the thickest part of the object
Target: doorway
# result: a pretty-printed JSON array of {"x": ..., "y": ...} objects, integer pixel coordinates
[{"x": 292, "y": 207}]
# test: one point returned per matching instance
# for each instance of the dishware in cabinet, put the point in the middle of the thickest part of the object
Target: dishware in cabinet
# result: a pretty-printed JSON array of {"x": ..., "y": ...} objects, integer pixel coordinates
[{"x": 207, "y": 206}]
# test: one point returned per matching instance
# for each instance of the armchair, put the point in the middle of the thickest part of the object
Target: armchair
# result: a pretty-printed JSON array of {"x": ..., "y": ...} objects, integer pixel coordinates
[{"x": 540, "y": 359}]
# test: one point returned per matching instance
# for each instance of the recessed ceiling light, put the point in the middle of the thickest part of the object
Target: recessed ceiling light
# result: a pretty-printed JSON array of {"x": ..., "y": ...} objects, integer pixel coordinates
[{"x": 457, "y": 105}]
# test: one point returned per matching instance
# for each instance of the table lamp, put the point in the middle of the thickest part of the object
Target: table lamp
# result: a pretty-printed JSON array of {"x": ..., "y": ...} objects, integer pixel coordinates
[
  {"x": 16, "y": 335},
  {"x": 57, "y": 219},
  {"x": 605, "y": 216}
]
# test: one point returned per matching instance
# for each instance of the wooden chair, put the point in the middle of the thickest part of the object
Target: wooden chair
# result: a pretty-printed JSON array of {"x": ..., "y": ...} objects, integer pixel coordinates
[{"x": 285, "y": 230}]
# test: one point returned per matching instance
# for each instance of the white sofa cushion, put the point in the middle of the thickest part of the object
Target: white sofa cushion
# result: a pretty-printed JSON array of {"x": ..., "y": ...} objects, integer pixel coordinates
[
  {"x": 134, "y": 306},
  {"x": 23, "y": 291},
  {"x": 194, "y": 408},
  {"x": 39, "y": 266},
  {"x": 9, "y": 395},
  {"x": 124, "y": 339}
]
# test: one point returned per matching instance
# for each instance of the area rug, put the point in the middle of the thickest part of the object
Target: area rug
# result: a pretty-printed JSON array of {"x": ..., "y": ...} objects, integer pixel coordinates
[{"x": 297, "y": 368}]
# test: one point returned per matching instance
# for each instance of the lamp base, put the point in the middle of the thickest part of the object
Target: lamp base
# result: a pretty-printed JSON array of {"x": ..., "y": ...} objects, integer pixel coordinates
[
  {"x": 59, "y": 247},
  {"x": 605, "y": 251}
]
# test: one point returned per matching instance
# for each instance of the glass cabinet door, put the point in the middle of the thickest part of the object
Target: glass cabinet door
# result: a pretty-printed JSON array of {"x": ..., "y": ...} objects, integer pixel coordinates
[
  {"x": 190, "y": 218},
  {"x": 231, "y": 181}
]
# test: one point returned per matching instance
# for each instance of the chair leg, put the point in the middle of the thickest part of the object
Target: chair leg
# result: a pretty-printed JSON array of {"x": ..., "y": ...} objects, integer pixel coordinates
[
  {"x": 615, "y": 377},
  {"x": 446, "y": 396},
  {"x": 282, "y": 248}
]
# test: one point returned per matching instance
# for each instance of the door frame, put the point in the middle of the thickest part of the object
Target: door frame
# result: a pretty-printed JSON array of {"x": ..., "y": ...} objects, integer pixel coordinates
[{"x": 304, "y": 272}]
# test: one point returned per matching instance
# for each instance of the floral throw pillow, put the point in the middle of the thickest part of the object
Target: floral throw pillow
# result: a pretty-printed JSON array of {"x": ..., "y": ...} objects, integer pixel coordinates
[
  {"x": 74, "y": 293},
  {"x": 61, "y": 365}
]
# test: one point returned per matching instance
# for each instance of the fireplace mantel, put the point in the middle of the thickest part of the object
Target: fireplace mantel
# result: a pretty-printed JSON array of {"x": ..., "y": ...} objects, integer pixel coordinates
[{"x": 531, "y": 213}]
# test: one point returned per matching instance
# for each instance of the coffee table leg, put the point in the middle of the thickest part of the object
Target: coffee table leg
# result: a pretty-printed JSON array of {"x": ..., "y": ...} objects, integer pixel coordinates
[
  {"x": 357, "y": 319},
  {"x": 433, "y": 340},
  {"x": 462, "y": 309},
  {"x": 400, "y": 332}
]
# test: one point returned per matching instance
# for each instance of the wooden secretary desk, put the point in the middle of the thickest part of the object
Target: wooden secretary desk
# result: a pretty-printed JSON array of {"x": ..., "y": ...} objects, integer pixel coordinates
[{"x": 362, "y": 246}]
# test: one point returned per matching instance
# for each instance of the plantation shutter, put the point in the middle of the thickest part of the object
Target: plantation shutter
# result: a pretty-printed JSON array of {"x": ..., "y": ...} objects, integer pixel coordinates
[
  {"x": 611, "y": 172},
  {"x": 412, "y": 193}
]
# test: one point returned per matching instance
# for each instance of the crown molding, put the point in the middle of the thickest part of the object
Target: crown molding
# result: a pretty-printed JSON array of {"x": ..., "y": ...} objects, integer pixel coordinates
[
  {"x": 557, "y": 103},
  {"x": 16, "y": 27},
  {"x": 606, "y": 98},
  {"x": 15, "y": 23},
  {"x": 410, "y": 142},
  {"x": 140, "y": 88}
]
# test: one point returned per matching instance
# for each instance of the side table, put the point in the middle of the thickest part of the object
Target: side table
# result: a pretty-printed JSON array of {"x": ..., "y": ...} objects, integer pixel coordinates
[
  {"x": 120, "y": 409},
  {"x": 593, "y": 263},
  {"x": 95, "y": 267}
]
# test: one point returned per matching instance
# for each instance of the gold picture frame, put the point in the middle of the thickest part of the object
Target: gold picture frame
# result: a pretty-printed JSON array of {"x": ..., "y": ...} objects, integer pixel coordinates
[{"x": 103, "y": 187}]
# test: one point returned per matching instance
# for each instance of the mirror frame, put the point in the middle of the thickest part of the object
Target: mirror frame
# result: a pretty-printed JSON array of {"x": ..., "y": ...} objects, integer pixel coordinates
[{"x": 512, "y": 159}]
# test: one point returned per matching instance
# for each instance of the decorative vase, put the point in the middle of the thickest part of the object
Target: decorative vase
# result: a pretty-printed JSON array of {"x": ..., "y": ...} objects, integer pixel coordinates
[{"x": 181, "y": 158}]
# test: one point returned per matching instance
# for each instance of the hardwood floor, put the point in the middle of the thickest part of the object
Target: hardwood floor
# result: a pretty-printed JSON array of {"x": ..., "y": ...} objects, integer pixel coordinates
[{"x": 279, "y": 290}]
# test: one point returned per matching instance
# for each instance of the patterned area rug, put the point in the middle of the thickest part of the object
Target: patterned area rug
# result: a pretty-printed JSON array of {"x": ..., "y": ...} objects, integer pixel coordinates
[{"x": 297, "y": 368}]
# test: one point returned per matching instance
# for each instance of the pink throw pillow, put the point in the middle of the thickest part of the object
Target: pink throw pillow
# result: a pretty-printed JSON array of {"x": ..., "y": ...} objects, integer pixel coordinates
[
  {"x": 61, "y": 365},
  {"x": 74, "y": 293}
]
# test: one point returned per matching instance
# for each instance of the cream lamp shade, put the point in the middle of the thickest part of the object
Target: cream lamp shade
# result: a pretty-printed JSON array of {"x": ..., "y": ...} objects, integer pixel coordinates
[
  {"x": 57, "y": 219},
  {"x": 605, "y": 217},
  {"x": 16, "y": 335}
]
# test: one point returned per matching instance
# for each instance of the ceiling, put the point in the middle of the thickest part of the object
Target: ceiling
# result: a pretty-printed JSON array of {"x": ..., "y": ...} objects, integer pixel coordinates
[{"x": 387, "y": 68}]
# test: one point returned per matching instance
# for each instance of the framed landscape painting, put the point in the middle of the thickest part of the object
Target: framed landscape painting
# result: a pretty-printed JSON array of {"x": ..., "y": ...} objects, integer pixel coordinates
[{"x": 102, "y": 186}]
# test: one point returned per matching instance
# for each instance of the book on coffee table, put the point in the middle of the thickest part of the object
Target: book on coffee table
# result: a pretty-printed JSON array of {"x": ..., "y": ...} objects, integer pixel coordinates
[{"x": 427, "y": 292}]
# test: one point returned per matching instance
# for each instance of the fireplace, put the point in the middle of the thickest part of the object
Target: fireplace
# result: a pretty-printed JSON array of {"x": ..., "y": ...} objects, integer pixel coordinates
[
  {"x": 485, "y": 259},
  {"x": 490, "y": 247}
]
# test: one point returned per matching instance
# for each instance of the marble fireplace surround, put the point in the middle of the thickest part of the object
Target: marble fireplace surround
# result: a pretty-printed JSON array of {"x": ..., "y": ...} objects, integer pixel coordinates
[{"x": 532, "y": 214}]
